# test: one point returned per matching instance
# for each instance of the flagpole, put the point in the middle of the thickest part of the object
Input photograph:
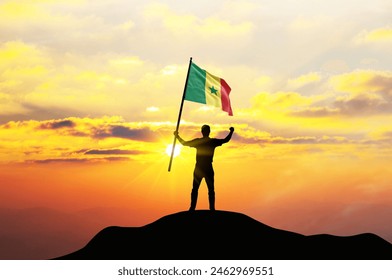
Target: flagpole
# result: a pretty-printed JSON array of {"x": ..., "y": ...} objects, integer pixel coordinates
[{"x": 179, "y": 115}]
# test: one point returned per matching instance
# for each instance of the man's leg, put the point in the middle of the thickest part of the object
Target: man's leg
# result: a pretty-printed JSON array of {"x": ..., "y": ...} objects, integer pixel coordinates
[
  {"x": 211, "y": 189},
  {"x": 197, "y": 177}
]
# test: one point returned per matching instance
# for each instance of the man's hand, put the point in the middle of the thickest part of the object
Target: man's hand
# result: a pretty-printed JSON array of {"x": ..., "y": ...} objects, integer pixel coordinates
[
  {"x": 231, "y": 129},
  {"x": 175, "y": 133}
]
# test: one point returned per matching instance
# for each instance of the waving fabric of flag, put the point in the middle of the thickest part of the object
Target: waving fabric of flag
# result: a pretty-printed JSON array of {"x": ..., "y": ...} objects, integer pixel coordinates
[{"x": 203, "y": 87}]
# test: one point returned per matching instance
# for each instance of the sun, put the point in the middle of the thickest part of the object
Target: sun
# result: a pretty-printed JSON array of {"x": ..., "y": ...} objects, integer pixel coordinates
[{"x": 177, "y": 150}]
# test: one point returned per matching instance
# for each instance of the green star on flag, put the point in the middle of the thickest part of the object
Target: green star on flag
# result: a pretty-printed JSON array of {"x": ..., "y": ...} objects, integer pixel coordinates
[{"x": 213, "y": 90}]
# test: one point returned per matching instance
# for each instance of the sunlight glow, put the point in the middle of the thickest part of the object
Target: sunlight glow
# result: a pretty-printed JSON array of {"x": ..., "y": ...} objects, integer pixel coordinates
[{"x": 177, "y": 150}]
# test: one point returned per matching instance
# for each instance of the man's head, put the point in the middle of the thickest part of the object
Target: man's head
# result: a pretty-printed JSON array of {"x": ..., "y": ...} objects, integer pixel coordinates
[{"x": 205, "y": 130}]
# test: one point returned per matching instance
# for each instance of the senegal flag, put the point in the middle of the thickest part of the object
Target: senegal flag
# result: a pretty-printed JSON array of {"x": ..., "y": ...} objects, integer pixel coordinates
[{"x": 203, "y": 87}]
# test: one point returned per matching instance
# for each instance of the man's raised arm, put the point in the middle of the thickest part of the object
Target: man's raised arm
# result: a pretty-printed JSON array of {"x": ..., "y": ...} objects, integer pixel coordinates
[{"x": 228, "y": 137}]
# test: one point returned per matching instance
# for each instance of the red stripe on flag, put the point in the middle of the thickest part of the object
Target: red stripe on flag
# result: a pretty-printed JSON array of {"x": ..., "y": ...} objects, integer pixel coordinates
[{"x": 225, "y": 91}]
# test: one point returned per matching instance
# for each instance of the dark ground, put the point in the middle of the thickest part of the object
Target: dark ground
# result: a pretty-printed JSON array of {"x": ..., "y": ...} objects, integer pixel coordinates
[{"x": 206, "y": 235}]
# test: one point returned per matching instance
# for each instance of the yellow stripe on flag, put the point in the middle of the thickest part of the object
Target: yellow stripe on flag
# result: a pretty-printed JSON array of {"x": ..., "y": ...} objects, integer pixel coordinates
[{"x": 213, "y": 90}]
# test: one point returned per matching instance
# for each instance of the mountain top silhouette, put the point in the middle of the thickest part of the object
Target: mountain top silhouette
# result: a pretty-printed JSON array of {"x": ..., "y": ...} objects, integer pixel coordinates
[{"x": 224, "y": 235}]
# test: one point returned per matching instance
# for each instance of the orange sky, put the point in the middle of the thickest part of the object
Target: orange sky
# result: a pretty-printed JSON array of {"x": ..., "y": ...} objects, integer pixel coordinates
[{"x": 89, "y": 96}]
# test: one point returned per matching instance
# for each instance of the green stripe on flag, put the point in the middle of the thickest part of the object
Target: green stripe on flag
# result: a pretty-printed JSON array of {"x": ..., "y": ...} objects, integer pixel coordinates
[{"x": 195, "y": 90}]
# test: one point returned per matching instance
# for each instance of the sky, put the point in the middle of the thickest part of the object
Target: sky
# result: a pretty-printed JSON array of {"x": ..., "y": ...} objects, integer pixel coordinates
[{"x": 90, "y": 94}]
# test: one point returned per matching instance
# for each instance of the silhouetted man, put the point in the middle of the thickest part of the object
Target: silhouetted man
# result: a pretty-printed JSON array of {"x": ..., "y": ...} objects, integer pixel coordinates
[{"x": 204, "y": 156}]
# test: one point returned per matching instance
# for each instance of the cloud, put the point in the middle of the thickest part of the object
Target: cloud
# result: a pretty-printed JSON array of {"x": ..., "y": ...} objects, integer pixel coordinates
[
  {"x": 369, "y": 92},
  {"x": 356, "y": 94},
  {"x": 113, "y": 152},
  {"x": 59, "y": 139},
  {"x": 11, "y": 53},
  {"x": 362, "y": 81},
  {"x": 108, "y": 139},
  {"x": 310, "y": 24},
  {"x": 93, "y": 69},
  {"x": 316, "y": 112},
  {"x": 186, "y": 24},
  {"x": 363, "y": 105},
  {"x": 106, "y": 63},
  {"x": 23, "y": 68},
  {"x": 388, "y": 134},
  {"x": 100, "y": 128},
  {"x": 126, "y": 26},
  {"x": 8, "y": 105},
  {"x": 127, "y": 62},
  {"x": 300, "y": 140},
  {"x": 57, "y": 124},
  {"x": 42, "y": 21},
  {"x": 279, "y": 100},
  {"x": 379, "y": 35},
  {"x": 354, "y": 106},
  {"x": 304, "y": 80},
  {"x": 12, "y": 10},
  {"x": 250, "y": 135},
  {"x": 121, "y": 131},
  {"x": 76, "y": 160},
  {"x": 75, "y": 85}
]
